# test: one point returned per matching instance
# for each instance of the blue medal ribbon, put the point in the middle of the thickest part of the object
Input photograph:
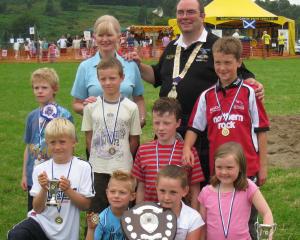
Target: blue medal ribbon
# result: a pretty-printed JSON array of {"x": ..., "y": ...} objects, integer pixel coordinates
[
  {"x": 111, "y": 138},
  {"x": 225, "y": 229},
  {"x": 63, "y": 194}
]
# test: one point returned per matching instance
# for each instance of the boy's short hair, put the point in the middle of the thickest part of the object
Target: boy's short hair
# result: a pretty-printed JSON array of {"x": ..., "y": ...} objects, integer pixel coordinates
[
  {"x": 124, "y": 177},
  {"x": 110, "y": 63},
  {"x": 59, "y": 127},
  {"x": 48, "y": 75},
  {"x": 167, "y": 105},
  {"x": 174, "y": 172},
  {"x": 228, "y": 45}
]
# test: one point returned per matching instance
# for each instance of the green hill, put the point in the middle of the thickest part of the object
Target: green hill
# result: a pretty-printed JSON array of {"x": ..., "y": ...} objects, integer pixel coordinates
[{"x": 17, "y": 17}]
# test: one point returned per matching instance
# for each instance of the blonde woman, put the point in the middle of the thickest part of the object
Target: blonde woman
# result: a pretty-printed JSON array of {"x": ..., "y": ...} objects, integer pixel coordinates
[{"x": 86, "y": 87}]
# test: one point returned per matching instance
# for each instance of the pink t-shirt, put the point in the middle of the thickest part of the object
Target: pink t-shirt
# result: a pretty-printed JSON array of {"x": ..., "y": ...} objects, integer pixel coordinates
[{"x": 238, "y": 228}]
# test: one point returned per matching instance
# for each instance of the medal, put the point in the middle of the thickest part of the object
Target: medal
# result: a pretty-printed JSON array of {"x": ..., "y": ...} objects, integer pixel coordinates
[
  {"x": 112, "y": 151},
  {"x": 176, "y": 76},
  {"x": 59, "y": 220},
  {"x": 225, "y": 131},
  {"x": 95, "y": 218},
  {"x": 173, "y": 92},
  {"x": 111, "y": 139}
]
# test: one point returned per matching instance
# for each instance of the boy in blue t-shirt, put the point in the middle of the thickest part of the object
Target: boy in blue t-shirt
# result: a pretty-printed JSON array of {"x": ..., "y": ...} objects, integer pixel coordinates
[
  {"x": 45, "y": 86},
  {"x": 120, "y": 191}
]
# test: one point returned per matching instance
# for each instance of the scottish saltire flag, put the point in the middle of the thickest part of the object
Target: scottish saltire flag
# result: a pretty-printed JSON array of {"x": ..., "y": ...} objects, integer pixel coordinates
[{"x": 249, "y": 23}]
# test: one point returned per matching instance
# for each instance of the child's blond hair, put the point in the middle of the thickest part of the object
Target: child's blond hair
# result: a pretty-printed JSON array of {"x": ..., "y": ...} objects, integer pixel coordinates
[
  {"x": 124, "y": 177},
  {"x": 48, "y": 75},
  {"x": 60, "y": 127}
]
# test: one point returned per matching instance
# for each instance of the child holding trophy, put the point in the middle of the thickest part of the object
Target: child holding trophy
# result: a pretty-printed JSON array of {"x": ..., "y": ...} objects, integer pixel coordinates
[
  {"x": 120, "y": 192},
  {"x": 62, "y": 186},
  {"x": 225, "y": 205},
  {"x": 44, "y": 83},
  {"x": 112, "y": 129},
  {"x": 172, "y": 185}
]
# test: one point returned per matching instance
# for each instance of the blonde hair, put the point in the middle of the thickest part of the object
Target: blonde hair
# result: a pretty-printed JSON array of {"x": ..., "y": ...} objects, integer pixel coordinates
[
  {"x": 48, "y": 75},
  {"x": 174, "y": 172},
  {"x": 124, "y": 177},
  {"x": 60, "y": 127},
  {"x": 234, "y": 149},
  {"x": 107, "y": 24}
]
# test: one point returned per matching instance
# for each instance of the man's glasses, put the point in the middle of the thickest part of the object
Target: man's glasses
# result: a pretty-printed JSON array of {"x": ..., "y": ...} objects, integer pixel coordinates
[{"x": 189, "y": 12}]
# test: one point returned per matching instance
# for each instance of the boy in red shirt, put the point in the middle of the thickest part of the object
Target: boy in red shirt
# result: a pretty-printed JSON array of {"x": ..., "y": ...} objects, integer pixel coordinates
[{"x": 165, "y": 150}]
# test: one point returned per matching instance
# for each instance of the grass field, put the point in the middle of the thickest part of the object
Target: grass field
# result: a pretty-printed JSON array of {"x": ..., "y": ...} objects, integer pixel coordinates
[{"x": 281, "y": 79}]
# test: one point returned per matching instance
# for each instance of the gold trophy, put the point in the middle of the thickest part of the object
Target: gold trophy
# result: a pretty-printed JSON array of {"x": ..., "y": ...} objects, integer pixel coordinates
[
  {"x": 53, "y": 190},
  {"x": 265, "y": 231}
]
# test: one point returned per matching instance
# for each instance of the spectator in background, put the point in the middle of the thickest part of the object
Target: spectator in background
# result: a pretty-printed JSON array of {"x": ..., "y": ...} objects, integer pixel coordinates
[
  {"x": 62, "y": 45},
  {"x": 236, "y": 33},
  {"x": 44, "y": 47},
  {"x": 130, "y": 40},
  {"x": 52, "y": 52},
  {"x": 69, "y": 40},
  {"x": 266, "y": 39},
  {"x": 27, "y": 50},
  {"x": 281, "y": 40},
  {"x": 76, "y": 46},
  {"x": 16, "y": 46}
]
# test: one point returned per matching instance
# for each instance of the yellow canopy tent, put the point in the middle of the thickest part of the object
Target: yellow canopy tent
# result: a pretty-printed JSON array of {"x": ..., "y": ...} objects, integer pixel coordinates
[{"x": 220, "y": 12}]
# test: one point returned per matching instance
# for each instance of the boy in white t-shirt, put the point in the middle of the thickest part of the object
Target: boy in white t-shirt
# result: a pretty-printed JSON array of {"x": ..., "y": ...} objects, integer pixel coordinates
[
  {"x": 112, "y": 129},
  {"x": 75, "y": 188}
]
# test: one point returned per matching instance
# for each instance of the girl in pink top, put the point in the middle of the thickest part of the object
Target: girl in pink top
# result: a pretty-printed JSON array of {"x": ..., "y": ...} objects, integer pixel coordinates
[{"x": 226, "y": 203}]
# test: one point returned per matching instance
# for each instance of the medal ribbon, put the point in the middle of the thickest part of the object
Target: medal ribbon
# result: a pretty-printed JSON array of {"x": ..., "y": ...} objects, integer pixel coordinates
[
  {"x": 225, "y": 229},
  {"x": 43, "y": 124},
  {"x": 176, "y": 76},
  {"x": 41, "y": 128},
  {"x": 157, "y": 155},
  {"x": 225, "y": 117},
  {"x": 63, "y": 194},
  {"x": 111, "y": 139}
]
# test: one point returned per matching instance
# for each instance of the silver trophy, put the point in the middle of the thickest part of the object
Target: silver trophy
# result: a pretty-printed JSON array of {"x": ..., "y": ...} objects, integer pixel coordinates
[
  {"x": 53, "y": 190},
  {"x": 265, "y": 231}
]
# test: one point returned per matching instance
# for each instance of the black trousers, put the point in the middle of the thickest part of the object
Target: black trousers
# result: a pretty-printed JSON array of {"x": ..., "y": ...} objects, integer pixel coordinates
[
  {"x": 100, "y": 202},
  {"x": 30, "y": 199},
  {"x": 28, "y": 229}
]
